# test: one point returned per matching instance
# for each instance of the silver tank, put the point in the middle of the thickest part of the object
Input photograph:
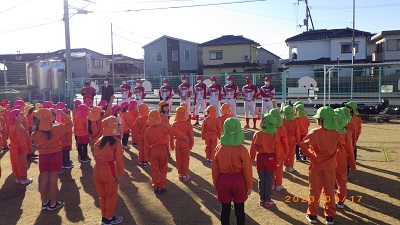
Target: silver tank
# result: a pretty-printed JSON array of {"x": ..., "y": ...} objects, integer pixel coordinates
[
  {"x": 57, "y": 75},
  {"x": 32, "y": 78}
]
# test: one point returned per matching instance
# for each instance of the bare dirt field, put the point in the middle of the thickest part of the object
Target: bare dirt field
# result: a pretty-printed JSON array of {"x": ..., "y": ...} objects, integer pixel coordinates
[{"x": 373, "y": 196}]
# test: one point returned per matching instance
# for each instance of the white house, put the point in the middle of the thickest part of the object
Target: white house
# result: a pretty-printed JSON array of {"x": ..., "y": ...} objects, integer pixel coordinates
[
  {"x": 311, "y": 50},
  {"x": 387, "y": 46}
]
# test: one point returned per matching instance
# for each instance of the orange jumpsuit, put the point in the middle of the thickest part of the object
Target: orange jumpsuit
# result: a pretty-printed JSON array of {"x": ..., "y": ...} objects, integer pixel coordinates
[
  {"x": 4, "y": 132},
  {"x": 303, "y": 123},
  {"x": 133, "y": 115},
  {"x": 293, "y": 133},
  {"x": 105, "y": 174},
  {"x": 210, "y": 132},
  {"x": 357, "y": 122},
  {"x": 156, "y": 149},
  {"x": 19, "y": 150},
  {"x": 126, "y": 122},
  {"x": 344, "y": 157},
  {"x": 139, "y": 128},
  {"x": 230, "y": 160},
  {"x": 81, "y": 126},
  {"x": 321, "y": 146},
  {"x": 264, "y": 143},
  {"x": 223, "y": 118},
  {"x": 226, "y": 113},
  {"x": 351, "y": 131},
  {"x": 283, "y": 151},
  {"x": 182, "y": 147}
]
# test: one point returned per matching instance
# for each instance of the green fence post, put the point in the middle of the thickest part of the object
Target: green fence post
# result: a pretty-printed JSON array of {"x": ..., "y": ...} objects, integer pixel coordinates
[
  {"x": 284, "y": 86},
  {"x": 380, "y": 84}
]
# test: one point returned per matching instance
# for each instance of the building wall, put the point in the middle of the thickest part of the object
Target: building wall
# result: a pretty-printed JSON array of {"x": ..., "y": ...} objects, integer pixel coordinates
[
  {"x": 336, "y": 48},
  {"x": 264, "y": 57},
  {"x": 153, "y": 68},
  {"x": 230, "y": 70},
  {"x": 78, "y": 67},
  {"x": 173, "y": 66},
  {"x": 193, "y": 62},
  {"x": 230, "y": 53},
  {"x": 301, "y": 71},
  {"x": 100, "y": 70},
  {"x": 310, "y": 50}
]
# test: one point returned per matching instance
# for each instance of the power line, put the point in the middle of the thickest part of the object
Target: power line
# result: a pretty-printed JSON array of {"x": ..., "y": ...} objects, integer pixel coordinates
[
  {"x": 28, "y": 27},
  {"x": 155, "y": 1},
  {"x": 132, "y": 32},
  {"x": 128, "y": 39},
  {"x": 185, "y": 6},
  {"x": 15, "y": 6}
]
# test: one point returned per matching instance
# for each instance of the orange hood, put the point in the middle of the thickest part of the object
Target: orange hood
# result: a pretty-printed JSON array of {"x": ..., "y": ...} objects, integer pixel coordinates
[
  {"x": 143, "y": 110},
  {"x": 110, "y": 126},
  {"x": 181, "y": 114},
  {"x": 226, "y": 109},
  {"x": 212, "y": 112},
  {"x": 154, "y": 118}
]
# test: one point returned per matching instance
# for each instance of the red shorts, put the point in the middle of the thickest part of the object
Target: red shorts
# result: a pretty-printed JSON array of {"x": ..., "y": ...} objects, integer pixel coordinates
[
  {"x": 266, "y": 162},
  {"x": 82, "y": 140},
  {"x": 50, "y": 162},
  {"x": 231, "y": 186}
]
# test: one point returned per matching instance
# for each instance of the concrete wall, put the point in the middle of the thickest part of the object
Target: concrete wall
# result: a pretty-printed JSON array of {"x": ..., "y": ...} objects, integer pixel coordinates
[
  {"x": 310, "y": 50},
  {"x": 336, "y": 48}
]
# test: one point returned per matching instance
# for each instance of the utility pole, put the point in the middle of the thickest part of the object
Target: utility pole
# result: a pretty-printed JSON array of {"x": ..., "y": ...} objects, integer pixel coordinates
[
  {"x": 112, "y": 54},
  {"x": 68, "y": 55},
  {"x": 353, "y": 50},
  {"x": 307, "y": 13},
  {"x": 308, "y": 16}
]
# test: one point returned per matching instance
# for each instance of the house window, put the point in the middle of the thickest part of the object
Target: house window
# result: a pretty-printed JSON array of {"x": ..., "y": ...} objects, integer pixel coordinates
[
  {"x": 215, "y": 55},
  {"x": 187, "y": 55},
  {"x": 174, "y": 55},
  {"x": 272, "y": 61},
  {"x": 156, "y": 57},
  {"x": 393, "y": 45},
  {"x": 346, "y": 48},
  {"x": 98, "y": 63},
  {"x": 268, "y": 61}
]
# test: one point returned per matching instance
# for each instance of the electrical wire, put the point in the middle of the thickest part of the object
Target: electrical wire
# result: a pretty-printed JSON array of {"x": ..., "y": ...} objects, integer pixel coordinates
[
  {"x": 127, "y": 39},
  {"x": 132, "y": 32},
  {"x": 28, "y": 27},
  {"x": 16, "y": 6}
]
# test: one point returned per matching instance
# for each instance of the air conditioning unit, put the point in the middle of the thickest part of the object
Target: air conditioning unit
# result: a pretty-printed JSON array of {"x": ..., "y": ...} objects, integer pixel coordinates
[{"x": 246, "y": 57}]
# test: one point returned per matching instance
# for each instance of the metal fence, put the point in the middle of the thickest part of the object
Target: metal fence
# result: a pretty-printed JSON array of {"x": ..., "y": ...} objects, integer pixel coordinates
[{"x": 367, "y": 85}]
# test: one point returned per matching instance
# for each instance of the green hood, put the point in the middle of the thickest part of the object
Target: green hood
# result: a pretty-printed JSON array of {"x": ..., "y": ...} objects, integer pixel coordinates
[
  {"x": 342, "y": 121},
  {"x": 269, "y": 125},
  {"x": 347, "y": 114},
  {"x": 288, "y": 112},
  {"x": 277, "y": 115},
  {"x": 327, "y": 115},
  {"x": 353, "y": 106},
  {"x": 301, "y": 111},
  {"x": 233, "y": 134},
  {"x": 298, "y": 103}
]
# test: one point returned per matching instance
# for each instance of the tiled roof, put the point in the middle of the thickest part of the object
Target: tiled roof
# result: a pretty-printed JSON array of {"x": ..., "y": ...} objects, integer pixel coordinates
[
  {"x": 121, "y": 56},
  {"x": 169, "y": 37},
  {"x": 323, "y": 61},
  {"x": 78, "y": 53},
  {"x": 228, "y": 65},
  {"x": 25, "y": 57},
  {"x": 229, "y": 40},
  {"x": 325, "y": 34}
]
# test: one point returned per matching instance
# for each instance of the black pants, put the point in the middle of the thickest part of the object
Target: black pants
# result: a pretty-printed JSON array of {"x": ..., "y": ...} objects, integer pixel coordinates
[
  {"x": 82, "y": 151},
  {"x": 299, "y": 154},
  {"x": 125, "y": 138},
  {"x": 226, "y": 212},
  {"x": 65, "y": 157}
]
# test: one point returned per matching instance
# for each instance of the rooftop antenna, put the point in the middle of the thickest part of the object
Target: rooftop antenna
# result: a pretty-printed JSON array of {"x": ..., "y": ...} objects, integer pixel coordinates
[{"x": 308, "y": 16}]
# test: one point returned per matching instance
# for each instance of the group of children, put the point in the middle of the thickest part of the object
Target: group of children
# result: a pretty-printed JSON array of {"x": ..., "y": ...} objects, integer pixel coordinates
[{"x": 330, "y": 149}]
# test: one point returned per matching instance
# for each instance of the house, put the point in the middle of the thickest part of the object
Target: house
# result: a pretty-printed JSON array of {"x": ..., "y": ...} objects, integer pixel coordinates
[
  {"x": 268, "y": 59},
  {"x": 126, "y": 66},
  {"x": 387, "y": 46},
  {"x": 169, "y": 56},
  {"x": 311, "y": 50},
  {"x": 231, "y": 54}
]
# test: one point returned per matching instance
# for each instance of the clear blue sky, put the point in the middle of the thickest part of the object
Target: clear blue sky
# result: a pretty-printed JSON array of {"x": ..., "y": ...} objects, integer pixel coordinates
[{"x": 268, "y": 22}]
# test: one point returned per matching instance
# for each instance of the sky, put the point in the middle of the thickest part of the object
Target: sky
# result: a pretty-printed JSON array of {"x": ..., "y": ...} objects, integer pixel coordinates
[{"x": 35, "y": 26}]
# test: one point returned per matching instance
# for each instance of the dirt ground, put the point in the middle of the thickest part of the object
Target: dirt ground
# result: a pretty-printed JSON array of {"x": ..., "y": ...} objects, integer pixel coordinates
[{"x": 373, "y": 196}]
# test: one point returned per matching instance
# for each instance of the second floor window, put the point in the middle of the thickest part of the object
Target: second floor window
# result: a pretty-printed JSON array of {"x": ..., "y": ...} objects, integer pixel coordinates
[
  {"x": 98, "y": 63},
  {"x": 174, "y": 55},
  {"x": 156, "y": 57},
  {"x": 347, "y": 48},
  {"x": 215, "y": 55},
  {"x": 187, "y": 55},
  {"x": 393, "y": 45}
]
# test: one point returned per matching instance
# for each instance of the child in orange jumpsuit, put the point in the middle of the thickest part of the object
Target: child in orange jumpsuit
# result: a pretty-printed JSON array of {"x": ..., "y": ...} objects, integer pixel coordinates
[
  {"x": 28, "y": 112},
  {"x": 304, "y": 123},
  {"x": 116, "y": 110},
  {"x": 164, "y": 112},
  {"x": 344, "y": 158},
  {"x": 352, "y": 106},
  {"x": 283, "y": 150},
  {"x": 188, "y": 113},
  {"x": 321, "y": 146},
  {"x": 210, "y": 132},
  {"x": 66, "y": 141},
  {"x": 139, "y": 128},
  {"x": 47, "y": 138},
  {"x": 75, "y": 110},
  {"x": 95, "y": 129},
  {"x": 81, "y": 132},
  {"x": 350, "y": 127},
  {"x": 18, "y": 147},
  {"x": 226, "y": 113},
  {"x": 293, "y": 133},
  {"x": 19, "y": 104},
  {"x": 182, "y": 148},
  {"x": 108, "y": 170},
  {"x": 4, "y": 128},
  {"x": 126, "y": 123},
  {"x": 232, "y": 172},
  {"x": 133, "y": 115},
  {"x": 264, "y": 146},
  {"x": 156, "y": 149}
]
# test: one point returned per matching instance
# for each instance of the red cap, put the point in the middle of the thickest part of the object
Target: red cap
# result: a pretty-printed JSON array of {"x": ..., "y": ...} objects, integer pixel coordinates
[
  {"x": 19, "y": 103},
  {"x": 213, "y": 78},
  {"x": 124, "y": 104},
  {"x": 138, "y": 81},
  {"x": 115, "y": 108},
  {"x": 198, "y": 77},
  {"x": 103, "y": 103},
  {"x": 77, "y": 102},
  {"x": 267, "y": 79},
  {"x": 229, "y": 78},
  {"x": 48, "y": 104},
  {"x": 165, "y": 80},
  {"x": 184, "y": 77},
  {"x": 60, "y": 105},
  {"x": 249, "y": 78}
]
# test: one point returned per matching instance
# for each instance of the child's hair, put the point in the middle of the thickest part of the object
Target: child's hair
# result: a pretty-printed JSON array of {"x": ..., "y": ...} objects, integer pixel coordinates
[
  {"x": 162, "y": 108},
  {"x": 320, "y": 121},
  {"x": 125, "y": 109},
  {"x": 36, "y": 129},
  {"x": 105, "y": 140},
  {"x": 31, "y": 111},
  {"x": 116, "y": 112}
]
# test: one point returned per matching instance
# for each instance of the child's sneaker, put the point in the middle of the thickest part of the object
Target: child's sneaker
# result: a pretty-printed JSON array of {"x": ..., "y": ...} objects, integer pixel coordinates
[
  {"x": 62, "y": 171},
  {"x": 155, "y": 190},
  {"x": 126, "y": 147},
  {"x": 196, "y": 124},
  {"x": 254, "y": 127},
  {"x": 278, "y": 187},
  {"x": 186, "y": 178},
  {"x": 162, "y": 191},
  {"x": 55, "y": 206},
  {"x": 145, "y": 164},
  {"x": 330, "y": 220},
  {"x": 290, "y": 169},
  {"x": 247, "y": 126},
  {"x": 262, "y": 203},
  {"x": 17, "y": 181},
  {"x": 311, "y": 219},
  {"x": 269, "y": 203},
  {"x": 64, "y": 167},
  {"x": 45, "y": 204},
  {"x": 70, "y": 166},
  {"x": 116, "y": 220},
  {"x": 340, "y": 205},
  {"x": 26, "y": 181},
  {"x": 180, "y": 177}
]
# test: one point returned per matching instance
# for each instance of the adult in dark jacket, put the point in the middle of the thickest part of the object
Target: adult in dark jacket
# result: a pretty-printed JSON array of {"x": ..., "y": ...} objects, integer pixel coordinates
[{"x": 106, "y": 90}]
